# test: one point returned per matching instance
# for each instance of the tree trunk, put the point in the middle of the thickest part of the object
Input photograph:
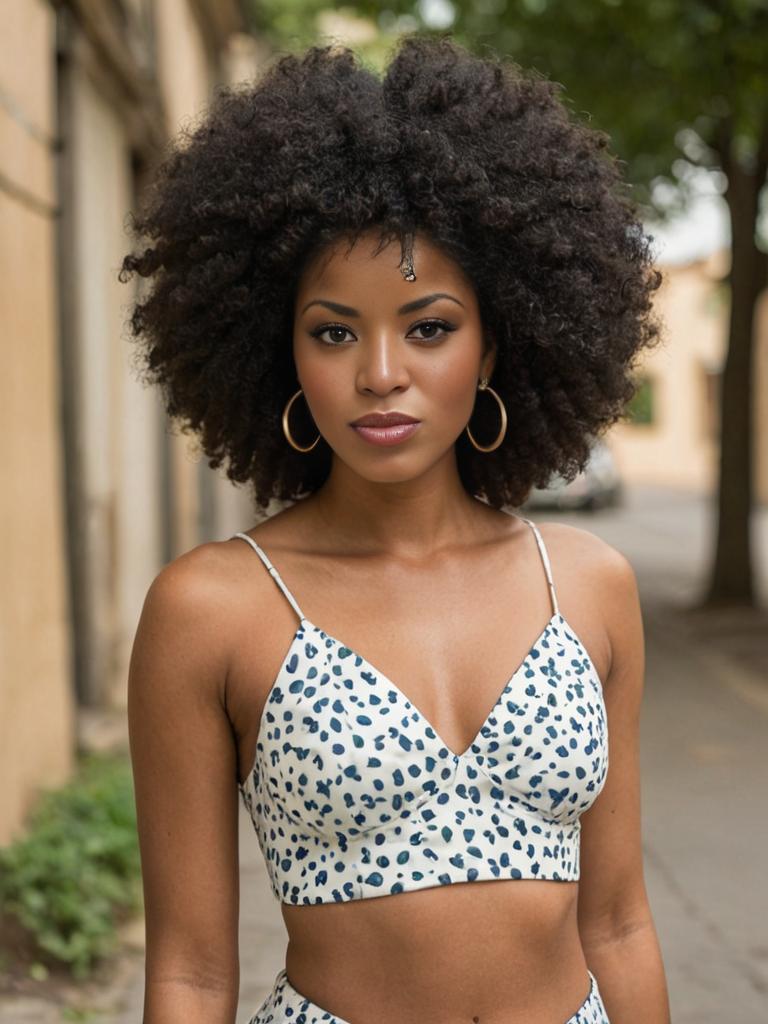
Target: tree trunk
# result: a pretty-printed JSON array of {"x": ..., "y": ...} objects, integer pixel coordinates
[{"x": 731, "y": 580}]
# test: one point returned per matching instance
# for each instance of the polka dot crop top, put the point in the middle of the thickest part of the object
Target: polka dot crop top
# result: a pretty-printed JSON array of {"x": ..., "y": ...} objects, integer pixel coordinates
[{"x": 354, "y": 794}]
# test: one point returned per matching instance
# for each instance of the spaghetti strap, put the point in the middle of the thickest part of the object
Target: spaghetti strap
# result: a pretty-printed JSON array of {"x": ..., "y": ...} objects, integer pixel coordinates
[
  {"x": 545, "y": 560},
  {"x": 273, "y": 572}
]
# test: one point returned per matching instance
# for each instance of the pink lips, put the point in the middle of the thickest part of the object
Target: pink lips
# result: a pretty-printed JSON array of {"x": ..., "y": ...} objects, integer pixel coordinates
[
  {"x": 387, "y": 435},
  {"x": 385, "y": 428}
]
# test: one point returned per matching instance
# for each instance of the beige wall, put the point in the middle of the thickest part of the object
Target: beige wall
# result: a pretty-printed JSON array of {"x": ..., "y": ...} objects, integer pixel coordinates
[
  {"x": 185, "y": 80},
  {"x": 98, "y": 166},
  {"x": 80, "y": 544},
  {"x": 36, "y": 708},
  {"x": 679, "y": 448},
  {"x": 188, "y": 77},
  {"x": 118, "y": 423},
  {"x": 121, "y": 422}
]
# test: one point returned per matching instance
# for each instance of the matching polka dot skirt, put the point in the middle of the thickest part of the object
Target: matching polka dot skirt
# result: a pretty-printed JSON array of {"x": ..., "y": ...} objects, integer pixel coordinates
[{"x": 284, "y": 1005}]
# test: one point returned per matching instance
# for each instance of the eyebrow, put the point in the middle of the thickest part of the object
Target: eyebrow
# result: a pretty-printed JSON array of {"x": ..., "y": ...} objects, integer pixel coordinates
[{"x": 409, "y": 307}]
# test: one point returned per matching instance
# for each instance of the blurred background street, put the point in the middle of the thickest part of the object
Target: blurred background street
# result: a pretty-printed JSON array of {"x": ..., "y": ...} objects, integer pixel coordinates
[{"x": 99, "y": 490}]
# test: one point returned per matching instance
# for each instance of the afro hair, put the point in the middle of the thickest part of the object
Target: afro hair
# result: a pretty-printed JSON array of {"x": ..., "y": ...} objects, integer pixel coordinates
[{"x": 482, "y": 156}]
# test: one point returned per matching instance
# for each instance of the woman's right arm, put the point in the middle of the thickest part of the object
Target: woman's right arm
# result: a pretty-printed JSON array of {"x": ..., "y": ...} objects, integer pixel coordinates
[{"x": 185, "y": 776}]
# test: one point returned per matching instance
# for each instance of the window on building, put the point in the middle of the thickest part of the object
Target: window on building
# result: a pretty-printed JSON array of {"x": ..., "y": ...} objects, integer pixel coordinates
[{"x": 641, "y": 410}]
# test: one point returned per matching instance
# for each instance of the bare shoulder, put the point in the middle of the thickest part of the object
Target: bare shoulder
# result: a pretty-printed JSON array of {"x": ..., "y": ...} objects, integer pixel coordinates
[
  {"x": 205, "y": 601},
  {"x": 581, "y": 550},
  {"x": 590, "y": 572},
  {"x": 190, "y": 604},
  {"x": 205, "y": 581},
  {"x": 194, "y": 586}
]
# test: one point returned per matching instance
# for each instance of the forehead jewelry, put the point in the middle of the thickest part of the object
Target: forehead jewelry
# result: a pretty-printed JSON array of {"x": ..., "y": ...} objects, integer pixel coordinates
[{"x": 406, "y": 263}]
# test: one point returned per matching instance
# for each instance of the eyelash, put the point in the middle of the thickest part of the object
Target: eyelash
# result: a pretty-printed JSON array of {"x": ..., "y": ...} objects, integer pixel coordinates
[{"x": 443, "y": 324}]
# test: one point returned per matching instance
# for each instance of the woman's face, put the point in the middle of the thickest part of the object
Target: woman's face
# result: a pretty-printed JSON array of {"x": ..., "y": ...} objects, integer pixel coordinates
[{"x": 365, "y": 340}]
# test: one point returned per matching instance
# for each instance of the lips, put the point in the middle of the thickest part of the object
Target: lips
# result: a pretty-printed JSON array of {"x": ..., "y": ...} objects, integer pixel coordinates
[
  {"x": 379, "y": 419},
  {"x": 386, "y": 430}
]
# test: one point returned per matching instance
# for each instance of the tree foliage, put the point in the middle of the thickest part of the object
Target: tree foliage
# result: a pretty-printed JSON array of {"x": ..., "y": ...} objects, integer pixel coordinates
[{"x": 660, "y": 76}]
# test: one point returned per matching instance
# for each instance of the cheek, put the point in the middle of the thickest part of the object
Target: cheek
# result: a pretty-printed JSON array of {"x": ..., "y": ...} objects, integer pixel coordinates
[
  {"x": 451, "y": 384},
  {"x": 325, "y": 383}
]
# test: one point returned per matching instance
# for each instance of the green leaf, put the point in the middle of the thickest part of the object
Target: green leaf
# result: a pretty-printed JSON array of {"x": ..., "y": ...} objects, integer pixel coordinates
[{"x": 77, "y": 867}]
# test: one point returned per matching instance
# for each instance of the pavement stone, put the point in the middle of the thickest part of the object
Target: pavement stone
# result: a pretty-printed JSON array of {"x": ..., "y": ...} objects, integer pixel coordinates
[{"x": 705, "y": 833}]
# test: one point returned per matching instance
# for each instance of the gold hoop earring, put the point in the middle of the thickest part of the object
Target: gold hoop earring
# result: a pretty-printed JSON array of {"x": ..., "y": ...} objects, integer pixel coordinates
[
  {"x": 485, "y": 386},
  {"x": 287, "y": 429}
]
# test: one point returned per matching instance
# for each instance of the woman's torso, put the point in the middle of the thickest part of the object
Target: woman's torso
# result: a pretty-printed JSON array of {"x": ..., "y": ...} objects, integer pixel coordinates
[{"x": 499, "y": 950}]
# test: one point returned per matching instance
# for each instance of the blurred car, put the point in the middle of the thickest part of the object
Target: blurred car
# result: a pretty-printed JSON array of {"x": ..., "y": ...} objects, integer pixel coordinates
[{"x": 599, "y": 485}]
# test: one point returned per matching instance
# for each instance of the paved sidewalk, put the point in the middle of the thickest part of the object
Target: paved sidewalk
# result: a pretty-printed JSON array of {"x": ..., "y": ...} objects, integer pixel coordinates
[
  {"x": 703, "y": 758},
  {"x": 705, "y": 826}
]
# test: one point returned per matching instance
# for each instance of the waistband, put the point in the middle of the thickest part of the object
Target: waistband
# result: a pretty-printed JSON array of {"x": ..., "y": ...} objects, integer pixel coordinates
[{"x": 286, "y": 1005}]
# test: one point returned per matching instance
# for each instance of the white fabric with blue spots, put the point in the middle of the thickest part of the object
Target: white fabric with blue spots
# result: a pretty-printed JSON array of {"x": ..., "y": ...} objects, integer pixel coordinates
[{"x": 353, "y": 793}]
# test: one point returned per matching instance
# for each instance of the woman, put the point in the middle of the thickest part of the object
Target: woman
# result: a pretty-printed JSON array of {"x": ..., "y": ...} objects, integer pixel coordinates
[{"x": 395, "y": 306}]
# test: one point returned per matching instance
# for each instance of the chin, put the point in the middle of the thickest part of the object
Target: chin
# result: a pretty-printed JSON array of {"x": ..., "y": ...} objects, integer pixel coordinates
[
  {"x": 385, "y": 474},
  {"x": 388, "y": 467}
]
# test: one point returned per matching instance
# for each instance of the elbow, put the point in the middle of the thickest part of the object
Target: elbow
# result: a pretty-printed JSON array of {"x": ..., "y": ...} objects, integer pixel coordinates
[
  {"x": 616, "y": 926},
  {"x": 191, "y": 984},
  {"x": 191, "y": 997}
]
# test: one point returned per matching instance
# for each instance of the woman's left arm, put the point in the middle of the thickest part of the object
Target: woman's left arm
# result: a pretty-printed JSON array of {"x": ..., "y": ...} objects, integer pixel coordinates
[{"x": 615, "y": 921}]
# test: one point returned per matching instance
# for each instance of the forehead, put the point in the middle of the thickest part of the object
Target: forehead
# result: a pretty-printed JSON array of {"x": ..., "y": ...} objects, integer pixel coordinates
[{"x": 373, "y": 270}]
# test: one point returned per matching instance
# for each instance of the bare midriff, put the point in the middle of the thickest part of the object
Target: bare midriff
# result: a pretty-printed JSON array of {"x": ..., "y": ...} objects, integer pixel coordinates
[{"x": 490, "y": 952}]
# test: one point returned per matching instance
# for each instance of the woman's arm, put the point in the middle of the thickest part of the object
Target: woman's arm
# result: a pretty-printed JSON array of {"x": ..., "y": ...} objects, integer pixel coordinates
[
  {"x": 615, "y": 921},
  {"x": 184, "y": 768}
]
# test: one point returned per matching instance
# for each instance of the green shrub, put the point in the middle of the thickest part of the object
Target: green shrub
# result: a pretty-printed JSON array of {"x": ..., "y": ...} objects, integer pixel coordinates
[{"x": 76, "y": 872}]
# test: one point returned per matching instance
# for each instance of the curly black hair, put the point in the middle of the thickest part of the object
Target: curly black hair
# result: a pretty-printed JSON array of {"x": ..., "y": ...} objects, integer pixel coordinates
[{"x": 477, "y": 153}]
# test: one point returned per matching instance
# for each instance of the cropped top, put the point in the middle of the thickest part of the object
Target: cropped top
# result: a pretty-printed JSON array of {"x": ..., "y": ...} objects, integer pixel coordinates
[{"x": 353, "y": 793}]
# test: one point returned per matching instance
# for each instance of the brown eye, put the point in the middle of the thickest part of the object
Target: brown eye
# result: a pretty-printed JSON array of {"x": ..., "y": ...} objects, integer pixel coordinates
[
  {"x": 435, "y": 329},
  {"x": 334, "y": 330}
]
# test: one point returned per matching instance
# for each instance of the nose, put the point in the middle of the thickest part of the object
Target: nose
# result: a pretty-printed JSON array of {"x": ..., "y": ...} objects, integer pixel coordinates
[{"x": 382, "y": 364}]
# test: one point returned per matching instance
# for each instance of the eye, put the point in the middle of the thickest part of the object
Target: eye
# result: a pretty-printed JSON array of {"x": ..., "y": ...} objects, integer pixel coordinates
[
  {"x": 432, "y": 330},
  {"x": 336, "y": 328},
  {"x": 441, "y": 326}
]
